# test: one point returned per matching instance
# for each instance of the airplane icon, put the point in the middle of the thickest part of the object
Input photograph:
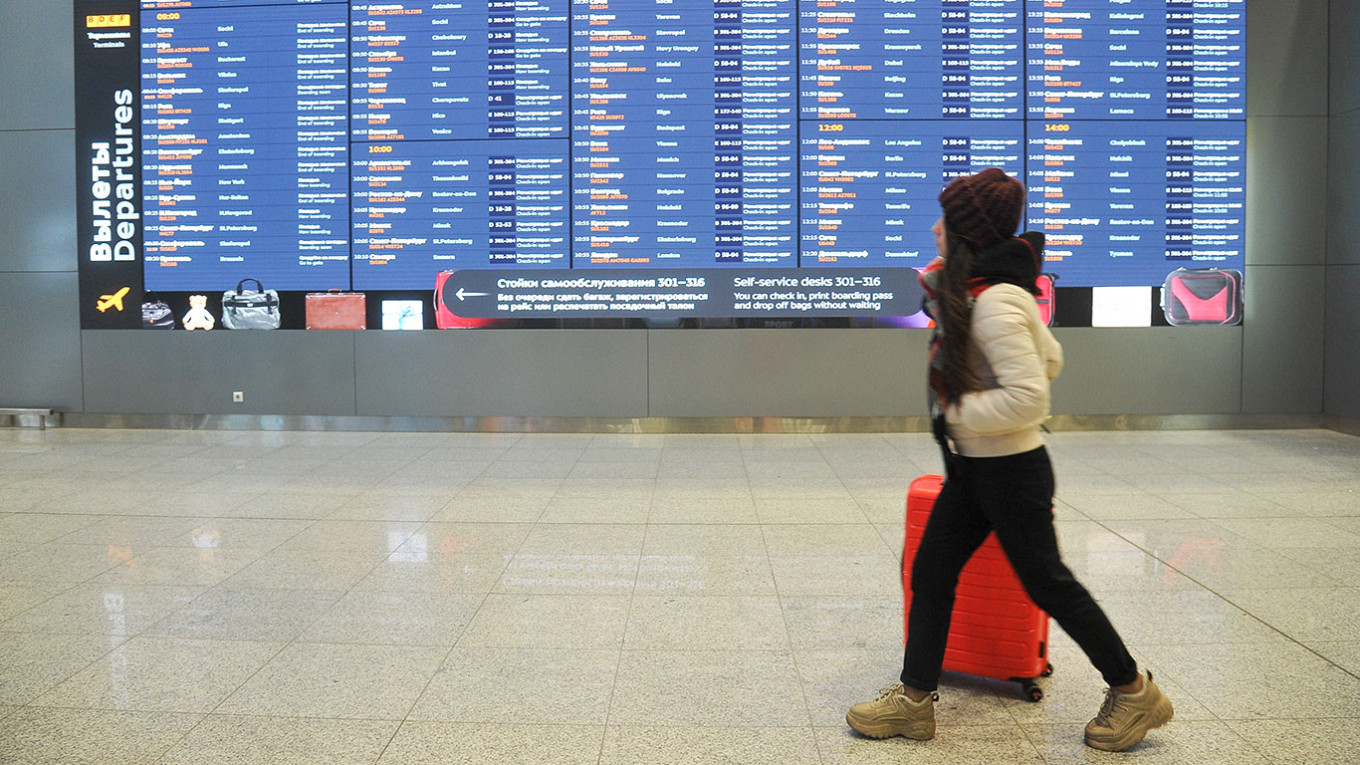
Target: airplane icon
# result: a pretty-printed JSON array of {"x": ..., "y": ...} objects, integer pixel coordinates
[{"x": 114, "y": 301}]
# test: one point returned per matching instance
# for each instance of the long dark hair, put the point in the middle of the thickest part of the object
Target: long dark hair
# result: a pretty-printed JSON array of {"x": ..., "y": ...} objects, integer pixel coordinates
[{"x": 956, "y": 321}]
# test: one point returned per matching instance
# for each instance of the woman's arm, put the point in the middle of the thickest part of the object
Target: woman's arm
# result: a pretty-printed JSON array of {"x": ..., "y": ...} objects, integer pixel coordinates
[{"x": 1003, "y": 332}]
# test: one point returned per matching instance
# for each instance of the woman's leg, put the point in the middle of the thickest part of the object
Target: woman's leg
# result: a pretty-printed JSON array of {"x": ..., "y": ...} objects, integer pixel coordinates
[
  {"x": 1019, "y": 503},
  {"x": 953, "y": 533}
]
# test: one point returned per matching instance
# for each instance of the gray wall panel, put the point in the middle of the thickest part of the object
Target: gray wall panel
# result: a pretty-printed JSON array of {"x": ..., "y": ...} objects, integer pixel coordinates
[
  {"x": 1344, "y": 24},
  {"x": 1343, "y": 182},
  {"x": 1343, "y": 342},
  {"x": 1286, "y": 197},
  {"x": 1282, "y": 340},
  {"x": 791, "y": 373},
  {"x": 1167, "y": 370},
  {"x": 1287, "y": 57},
  {"x": 38, "y": 197},
  {"x": 507, "y": 373},
  {"x": 1342, "y": 356},
  {"x": 288, "y": 372},
  {"x": 37, "y": 74},
  {"x": 39, "y": 341}
]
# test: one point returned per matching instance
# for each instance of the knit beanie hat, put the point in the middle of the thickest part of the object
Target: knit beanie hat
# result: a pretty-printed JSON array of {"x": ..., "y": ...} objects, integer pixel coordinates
[{"x": 984, "y": 208}]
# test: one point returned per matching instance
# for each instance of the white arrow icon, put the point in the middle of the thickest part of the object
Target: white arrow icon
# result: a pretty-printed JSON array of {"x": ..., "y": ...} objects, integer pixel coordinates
[{"x": 464, "y": 295}]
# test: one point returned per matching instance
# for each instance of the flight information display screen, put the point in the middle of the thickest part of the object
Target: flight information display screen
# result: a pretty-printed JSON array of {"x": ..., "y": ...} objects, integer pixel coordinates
[{"x": 318, "y": 145}]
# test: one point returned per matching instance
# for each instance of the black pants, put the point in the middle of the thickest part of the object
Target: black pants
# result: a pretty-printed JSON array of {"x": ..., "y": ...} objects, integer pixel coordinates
[{"x": 1012, "y": 495}]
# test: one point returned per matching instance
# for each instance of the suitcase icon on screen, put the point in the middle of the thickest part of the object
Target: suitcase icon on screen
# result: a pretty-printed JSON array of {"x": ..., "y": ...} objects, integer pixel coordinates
[
  {"x": 1202, "y": 296},
  {"x": 1045, "y": 298}
]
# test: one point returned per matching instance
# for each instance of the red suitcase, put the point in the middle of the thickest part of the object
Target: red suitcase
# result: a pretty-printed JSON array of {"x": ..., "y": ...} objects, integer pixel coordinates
[{"x": 996, "y": 630}]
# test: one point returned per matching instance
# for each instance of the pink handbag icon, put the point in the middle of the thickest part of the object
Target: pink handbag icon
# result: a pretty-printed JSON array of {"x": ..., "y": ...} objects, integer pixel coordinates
[{"x": 1202, "y": 296}]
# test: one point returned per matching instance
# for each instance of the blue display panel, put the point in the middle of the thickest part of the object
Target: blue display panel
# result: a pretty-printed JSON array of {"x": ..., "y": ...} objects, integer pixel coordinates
[
  {"x": 869, "y": 188},
  {"x": 175, "y": 5},
  {"x": 422, "y": 207},
  {"x": 1124, "y": 204},
  {"x": 912, "y": 59},
  {"x": 244, "y": 152},
  {"x": 444, "y": 70},
  {"x": 372, "y": 145},
  {"x": 1103, "y": 59},
  {"x": 683, "y": 132}
]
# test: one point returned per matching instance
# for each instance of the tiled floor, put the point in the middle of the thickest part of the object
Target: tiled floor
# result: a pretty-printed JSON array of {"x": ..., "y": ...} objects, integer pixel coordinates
[{"x": 248, "y": 597}]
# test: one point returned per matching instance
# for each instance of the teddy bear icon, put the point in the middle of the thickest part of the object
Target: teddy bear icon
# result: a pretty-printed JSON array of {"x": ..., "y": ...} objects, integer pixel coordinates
[{"x": 198, "y": 316}]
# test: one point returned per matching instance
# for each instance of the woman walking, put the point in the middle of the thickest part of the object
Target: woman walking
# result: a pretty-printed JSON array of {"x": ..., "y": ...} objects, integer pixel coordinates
[{"x": 992, "y": 360}]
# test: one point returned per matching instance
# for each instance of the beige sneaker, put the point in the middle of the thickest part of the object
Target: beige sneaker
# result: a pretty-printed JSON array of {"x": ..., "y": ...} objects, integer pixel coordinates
[
  {"x": 1125, "y": 718},
  {"x": 894, "y": 714}
]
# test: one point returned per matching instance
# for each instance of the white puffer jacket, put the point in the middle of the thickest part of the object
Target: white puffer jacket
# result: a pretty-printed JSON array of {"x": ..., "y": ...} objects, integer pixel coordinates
[{"x": 1018, "y": 357}]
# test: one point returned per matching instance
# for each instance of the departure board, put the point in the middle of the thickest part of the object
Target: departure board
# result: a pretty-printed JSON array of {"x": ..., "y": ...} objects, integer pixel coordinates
[
  {"x": 371, "y": 146},
  {"x": 244, "y": 151}
]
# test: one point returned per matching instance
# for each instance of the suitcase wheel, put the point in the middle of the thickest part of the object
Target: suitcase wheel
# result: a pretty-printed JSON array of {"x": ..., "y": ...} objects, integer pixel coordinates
[{"x": 1030, "y": 688}]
